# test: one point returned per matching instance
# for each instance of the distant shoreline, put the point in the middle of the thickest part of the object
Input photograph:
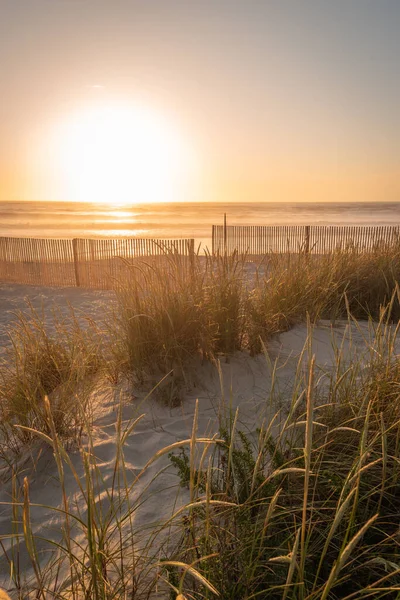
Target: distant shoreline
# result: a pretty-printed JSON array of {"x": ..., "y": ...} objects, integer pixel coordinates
[{"x": 66, "y": 220}]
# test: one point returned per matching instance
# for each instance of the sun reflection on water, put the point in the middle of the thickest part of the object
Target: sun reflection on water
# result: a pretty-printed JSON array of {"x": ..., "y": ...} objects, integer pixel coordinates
[{"x": 120, "y": 214}]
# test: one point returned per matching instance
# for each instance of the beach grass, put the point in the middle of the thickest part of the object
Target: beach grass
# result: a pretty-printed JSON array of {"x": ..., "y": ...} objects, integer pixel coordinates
[
  {"x": 312, "y": 512},
  {"x": 221, "y": 304},
  {"x": 308, "y": 509},
  {"x": 175, "y": 309},
  {"x": 59, "y": 364},
  {"x": 299, "y": 286}
]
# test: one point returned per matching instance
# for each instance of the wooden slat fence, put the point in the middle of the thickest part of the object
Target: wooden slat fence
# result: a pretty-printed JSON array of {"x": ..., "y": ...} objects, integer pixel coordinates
[
  {"x": 37, "y": 261},
  {"x": 263, "y": 239},
  {"x": 102, "y": 263},
  {"x": 98, "y": 264}
]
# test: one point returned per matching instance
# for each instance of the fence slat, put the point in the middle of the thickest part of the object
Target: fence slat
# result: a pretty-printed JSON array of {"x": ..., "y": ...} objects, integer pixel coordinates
[
  {"x": 79, "y": 262},
  {"x": 319, "y": 239}
]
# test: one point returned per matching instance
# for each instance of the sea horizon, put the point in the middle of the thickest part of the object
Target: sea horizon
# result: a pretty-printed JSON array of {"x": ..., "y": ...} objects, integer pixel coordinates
[{"x": 59, "y": 219}]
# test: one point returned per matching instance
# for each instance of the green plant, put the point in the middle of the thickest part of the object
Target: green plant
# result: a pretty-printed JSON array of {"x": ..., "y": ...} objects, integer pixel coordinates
[{"x": 311, "y": 512}]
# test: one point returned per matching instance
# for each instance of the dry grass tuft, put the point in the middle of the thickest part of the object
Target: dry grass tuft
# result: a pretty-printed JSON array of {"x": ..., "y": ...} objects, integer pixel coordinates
[{"x": 60, "y": 365}]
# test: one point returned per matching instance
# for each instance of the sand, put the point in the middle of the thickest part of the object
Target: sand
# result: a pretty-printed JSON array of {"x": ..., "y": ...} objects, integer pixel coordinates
[
  {"x": 246, "y": 384},
  {"x": 15, "y": 298}
]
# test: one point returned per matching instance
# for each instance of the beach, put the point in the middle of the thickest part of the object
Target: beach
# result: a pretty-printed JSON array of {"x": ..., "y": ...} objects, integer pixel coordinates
[
  {"x": 214, "y": 391},
  {"x": 199, "y": 300},
  {"x": 138, "y": 424}
]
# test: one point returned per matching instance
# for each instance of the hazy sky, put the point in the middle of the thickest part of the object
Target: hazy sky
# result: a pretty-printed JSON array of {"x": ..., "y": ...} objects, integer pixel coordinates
[{"x": 279, "y": 99}]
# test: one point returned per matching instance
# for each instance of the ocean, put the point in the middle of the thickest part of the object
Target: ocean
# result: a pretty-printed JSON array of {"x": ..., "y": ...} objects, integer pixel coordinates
[{"x": 180, "y": 220}]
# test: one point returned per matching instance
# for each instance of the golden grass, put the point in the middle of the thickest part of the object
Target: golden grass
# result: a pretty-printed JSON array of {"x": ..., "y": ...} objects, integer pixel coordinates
[
  {"x": 311, "y": 513},
  {"x": 60, "y": 365}
]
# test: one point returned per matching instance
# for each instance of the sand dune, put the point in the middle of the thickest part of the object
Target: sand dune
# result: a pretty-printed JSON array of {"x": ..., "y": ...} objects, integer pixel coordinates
[{"x": 246, "y": 385}]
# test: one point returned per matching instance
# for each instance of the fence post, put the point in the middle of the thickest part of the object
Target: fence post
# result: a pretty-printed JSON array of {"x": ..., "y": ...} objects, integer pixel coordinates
[
  {"x": 307, "y": 240},
  {"x": 76, "y": 261},
  {"x": 3, "y": 259},
  {"x": 212, "y": 240},
  {"x": 191, "y": 258},
  {"x": 225, "y": 234}
]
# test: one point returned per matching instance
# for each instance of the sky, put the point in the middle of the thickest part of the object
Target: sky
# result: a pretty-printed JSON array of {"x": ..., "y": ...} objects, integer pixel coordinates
[{"x": 276, "y": 100}]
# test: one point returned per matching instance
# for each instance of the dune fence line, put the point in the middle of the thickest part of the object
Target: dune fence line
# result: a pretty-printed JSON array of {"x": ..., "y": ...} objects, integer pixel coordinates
[
  {"x": 88, "y": 263},
  {"x": 264, "y": 239},
  {"x": 104, "y": 263}
]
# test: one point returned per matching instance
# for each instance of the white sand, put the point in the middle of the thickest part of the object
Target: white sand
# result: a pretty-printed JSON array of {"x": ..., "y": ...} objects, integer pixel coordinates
[
  {"x": 15, "y": 297},
  {"x": 246, "y": 384}
]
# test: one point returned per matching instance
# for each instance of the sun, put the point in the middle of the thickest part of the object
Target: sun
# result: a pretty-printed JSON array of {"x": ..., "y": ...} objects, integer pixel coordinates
[{"x": 122, "y": 155}]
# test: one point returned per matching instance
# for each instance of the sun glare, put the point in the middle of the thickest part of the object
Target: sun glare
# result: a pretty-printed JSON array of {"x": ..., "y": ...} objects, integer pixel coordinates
[{"x": 122, "y": 155}]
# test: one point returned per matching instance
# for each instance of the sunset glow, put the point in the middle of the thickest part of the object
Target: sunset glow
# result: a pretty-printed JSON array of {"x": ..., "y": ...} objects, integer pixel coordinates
[
  {"x": 121, "y": 155},
  {"x": 134, "y": 102}
]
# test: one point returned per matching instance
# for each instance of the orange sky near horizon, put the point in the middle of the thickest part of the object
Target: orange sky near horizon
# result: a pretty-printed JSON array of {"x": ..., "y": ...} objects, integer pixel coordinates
[{"x": 294, "y": 100}]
